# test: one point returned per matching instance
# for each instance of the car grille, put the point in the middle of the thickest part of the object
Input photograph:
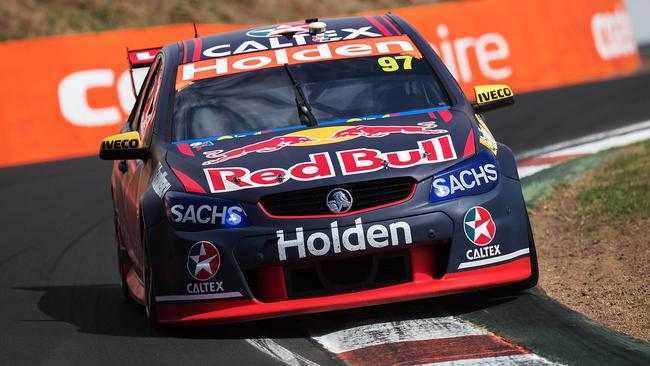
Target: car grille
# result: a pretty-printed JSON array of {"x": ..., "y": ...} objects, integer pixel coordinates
[
  {"x": 366, "y": 195},
  {"x": 331, "y": 277}
]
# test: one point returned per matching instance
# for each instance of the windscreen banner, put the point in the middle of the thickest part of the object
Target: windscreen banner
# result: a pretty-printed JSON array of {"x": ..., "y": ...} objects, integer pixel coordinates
[{"x": 64, "y": 94}]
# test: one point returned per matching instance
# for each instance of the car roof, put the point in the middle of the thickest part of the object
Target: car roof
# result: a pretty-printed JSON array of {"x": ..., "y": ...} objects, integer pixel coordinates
[{"x": 285, "y": 35}]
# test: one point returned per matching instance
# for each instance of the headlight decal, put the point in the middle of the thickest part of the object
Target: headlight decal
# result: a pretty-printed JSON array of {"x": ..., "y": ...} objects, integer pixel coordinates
[
  {"x": 476, "y": 175},
  {"x": 195, "y": 212}
]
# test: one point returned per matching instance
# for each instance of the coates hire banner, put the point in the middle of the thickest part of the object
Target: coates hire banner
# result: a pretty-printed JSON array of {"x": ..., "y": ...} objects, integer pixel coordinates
[{"x": 62, "y": 95}]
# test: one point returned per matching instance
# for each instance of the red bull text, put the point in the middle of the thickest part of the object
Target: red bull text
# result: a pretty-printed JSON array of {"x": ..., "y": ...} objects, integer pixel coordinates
[{"x": 319, "y": 166}]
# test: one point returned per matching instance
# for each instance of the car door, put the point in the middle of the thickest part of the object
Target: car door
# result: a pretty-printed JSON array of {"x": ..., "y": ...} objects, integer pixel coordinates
[{"x": 132, "y": 187}]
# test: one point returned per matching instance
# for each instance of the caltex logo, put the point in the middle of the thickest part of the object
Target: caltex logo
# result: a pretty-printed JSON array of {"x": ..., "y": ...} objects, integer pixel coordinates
[
  {"x": 479, "y": 227},
  {"x": 278, "y": 30},
  {"x": 203, "y": 260}
]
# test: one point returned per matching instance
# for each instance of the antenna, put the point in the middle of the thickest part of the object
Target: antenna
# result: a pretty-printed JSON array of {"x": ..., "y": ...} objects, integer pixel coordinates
[{"x": 196, "y": 33}]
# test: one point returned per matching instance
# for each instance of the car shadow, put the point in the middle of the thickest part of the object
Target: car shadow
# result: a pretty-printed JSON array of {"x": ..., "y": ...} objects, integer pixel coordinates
[{"x": 101, "y": 309}]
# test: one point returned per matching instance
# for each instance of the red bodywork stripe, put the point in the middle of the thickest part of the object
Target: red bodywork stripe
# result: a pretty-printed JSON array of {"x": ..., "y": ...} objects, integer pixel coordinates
[
  {"x": 378, "y": 25},
  {"x": 189, "y": 183},
  {"x": 391, "y": 25},
  {"x": 197, "y": 49},
  {"x": 251, "y": 309},
  {"x": 470, "y": 149},
  {"x": 432, "y": 350},
  {"x": 185, "y": 149},
  {"x": 445, "y": 114}
]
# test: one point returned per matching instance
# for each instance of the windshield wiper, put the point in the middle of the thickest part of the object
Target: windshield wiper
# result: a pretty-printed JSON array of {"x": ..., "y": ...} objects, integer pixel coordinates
[{"x": 303, "y": 107}]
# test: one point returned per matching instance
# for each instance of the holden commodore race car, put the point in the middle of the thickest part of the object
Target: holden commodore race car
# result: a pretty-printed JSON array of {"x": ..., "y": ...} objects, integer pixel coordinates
[{"x": 310, "y": 166}]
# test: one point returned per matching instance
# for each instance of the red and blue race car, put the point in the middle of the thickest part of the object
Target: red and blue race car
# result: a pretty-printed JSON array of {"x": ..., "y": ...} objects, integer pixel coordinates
[{"x": 311, "y": 166}]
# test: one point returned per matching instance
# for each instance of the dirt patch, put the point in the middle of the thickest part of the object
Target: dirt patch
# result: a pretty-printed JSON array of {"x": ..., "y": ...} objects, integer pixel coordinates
[{"x": 594, "y": 256}]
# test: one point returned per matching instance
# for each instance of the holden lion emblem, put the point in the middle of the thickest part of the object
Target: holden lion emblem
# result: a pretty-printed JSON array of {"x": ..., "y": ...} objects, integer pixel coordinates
[{"x": 339, "y": 200}]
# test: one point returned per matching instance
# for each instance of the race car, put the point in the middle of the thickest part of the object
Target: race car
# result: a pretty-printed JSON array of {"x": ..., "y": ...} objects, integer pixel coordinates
[{"x": 308, "y": 167}]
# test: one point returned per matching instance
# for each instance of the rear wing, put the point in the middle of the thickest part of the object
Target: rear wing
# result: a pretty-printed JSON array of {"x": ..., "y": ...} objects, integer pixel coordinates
[{"x": 139, "y": 59}]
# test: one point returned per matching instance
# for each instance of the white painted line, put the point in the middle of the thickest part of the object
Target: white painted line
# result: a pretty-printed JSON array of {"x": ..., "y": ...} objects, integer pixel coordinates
[
  {"x": 587, "y": 145},
  {"x": 271, "y": 348},
  {"x": 220, "y": 295},
  {"x": 608, "y": 143},
  {"x": 501, "y": 258},
  {"x": 363, "y": 336},
  {"x": 518, "y": 360},
  {"x": 526, "y": 171},
  {"x": 631, "y": 129}
]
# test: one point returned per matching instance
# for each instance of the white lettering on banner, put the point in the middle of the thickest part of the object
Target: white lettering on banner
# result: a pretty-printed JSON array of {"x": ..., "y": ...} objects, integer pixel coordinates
[
  {"x": 351, "y": 239},
  {"x": 73, "y": 96},
  {"x": 488, "y": 48},
  {"x": 612, "y": 33}
]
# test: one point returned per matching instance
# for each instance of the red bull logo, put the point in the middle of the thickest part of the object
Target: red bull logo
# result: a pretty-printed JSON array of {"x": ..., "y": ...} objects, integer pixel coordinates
[
  {"x": 319, "y": 166},
  {"x": 266, "y": 146},
  {"x": 319, "y": 136},
  {"x": 424, "y": 128}
]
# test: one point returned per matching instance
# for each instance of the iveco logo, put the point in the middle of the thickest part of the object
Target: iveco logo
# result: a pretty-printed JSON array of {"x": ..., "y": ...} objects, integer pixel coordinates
[{"x": 339, "y": 200}]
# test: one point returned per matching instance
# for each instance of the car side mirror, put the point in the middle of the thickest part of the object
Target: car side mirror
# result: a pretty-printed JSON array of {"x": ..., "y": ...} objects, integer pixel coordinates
[
  {"x": 490, "y": 97},
  {"x": 123, "y": 146}
]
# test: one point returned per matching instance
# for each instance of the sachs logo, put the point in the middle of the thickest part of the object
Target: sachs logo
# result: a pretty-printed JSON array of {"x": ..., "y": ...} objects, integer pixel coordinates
[
  {"x": 339, "y": 200},
  {"x": 203, "y": 260},
  {"x": 479, "y": 226}
]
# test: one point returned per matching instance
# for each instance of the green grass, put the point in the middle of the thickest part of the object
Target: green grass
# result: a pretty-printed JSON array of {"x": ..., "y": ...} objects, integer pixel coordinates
[
  {"x": 557, "y": 177},
  {"x": 620, "y": 189}
]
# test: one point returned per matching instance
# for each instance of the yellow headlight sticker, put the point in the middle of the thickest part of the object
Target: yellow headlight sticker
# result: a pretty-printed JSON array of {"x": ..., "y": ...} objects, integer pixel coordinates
[{"x": 486, "y": 139}]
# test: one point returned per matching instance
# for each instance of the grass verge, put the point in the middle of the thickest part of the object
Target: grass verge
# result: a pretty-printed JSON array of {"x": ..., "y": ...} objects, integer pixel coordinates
[{"x": 594, "y": 254}]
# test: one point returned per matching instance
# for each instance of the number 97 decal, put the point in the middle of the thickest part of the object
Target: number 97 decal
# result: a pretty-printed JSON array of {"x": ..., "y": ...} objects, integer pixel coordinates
[{"x": 391, "y": 63}]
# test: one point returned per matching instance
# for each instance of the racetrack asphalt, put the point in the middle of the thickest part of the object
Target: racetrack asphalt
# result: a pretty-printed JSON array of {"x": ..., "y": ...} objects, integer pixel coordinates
[{"x": 60, "y": 301}]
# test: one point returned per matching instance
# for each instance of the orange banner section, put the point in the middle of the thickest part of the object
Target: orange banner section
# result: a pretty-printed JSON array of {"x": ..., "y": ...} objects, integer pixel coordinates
[
  {"x": 529, "y": 45},
  {"x": 62, "y": 95}
]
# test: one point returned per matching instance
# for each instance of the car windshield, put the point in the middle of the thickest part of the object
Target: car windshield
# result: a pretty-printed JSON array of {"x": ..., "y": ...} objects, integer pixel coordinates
[{"x": 339, "y": 89}]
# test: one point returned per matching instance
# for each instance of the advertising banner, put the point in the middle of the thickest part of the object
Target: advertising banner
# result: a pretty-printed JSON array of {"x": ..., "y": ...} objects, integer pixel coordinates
[{"x": 64, "y": 94}]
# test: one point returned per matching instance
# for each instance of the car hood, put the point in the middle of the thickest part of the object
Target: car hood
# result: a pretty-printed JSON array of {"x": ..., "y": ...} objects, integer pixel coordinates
[{"x": 397, "y": 145}]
